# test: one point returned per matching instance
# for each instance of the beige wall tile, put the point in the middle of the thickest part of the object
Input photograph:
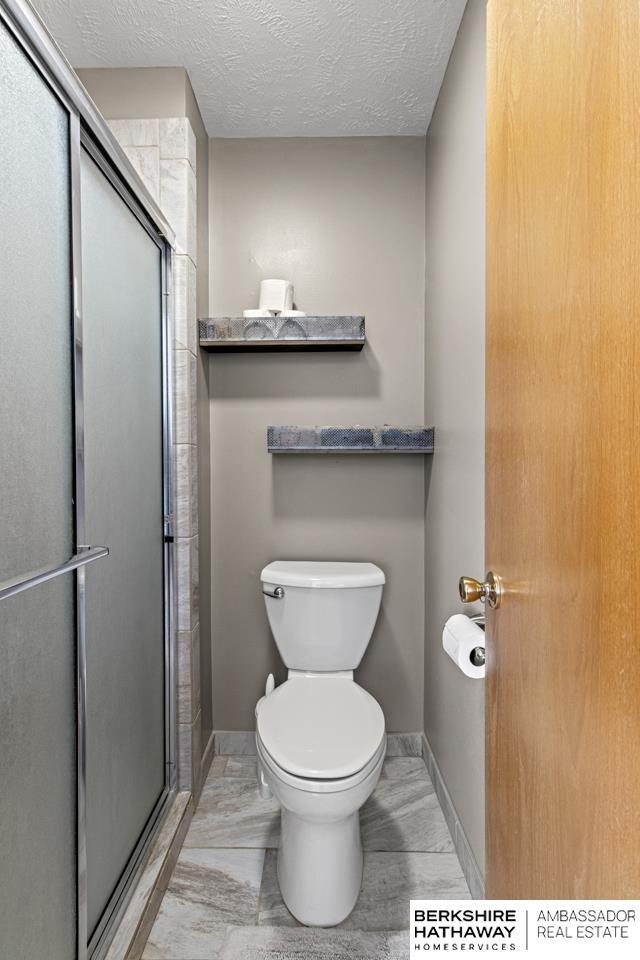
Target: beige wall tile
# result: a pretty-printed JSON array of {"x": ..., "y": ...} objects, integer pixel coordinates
[
  {"x": 136, "y": 133},
  {"x": 188, "y": 686},
  {"x": 186, "y": 490},
  {"x": 146, "y": 161},
  {"x": 178, "y": 202},
  {"x": 187, "y": 580},
  {"x": 177, "y": 140},
  {"x": 185, "y": 400},
  {"x": 184, "y": 303},
  {"x": 189, "y": 752}
]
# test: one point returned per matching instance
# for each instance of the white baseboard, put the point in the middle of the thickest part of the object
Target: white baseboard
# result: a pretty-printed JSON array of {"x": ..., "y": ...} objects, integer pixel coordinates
[{"x": 473, "y": 873}]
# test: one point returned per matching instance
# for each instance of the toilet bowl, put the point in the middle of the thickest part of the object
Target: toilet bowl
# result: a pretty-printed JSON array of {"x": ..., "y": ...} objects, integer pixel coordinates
[{"x": 320, "y": 736}]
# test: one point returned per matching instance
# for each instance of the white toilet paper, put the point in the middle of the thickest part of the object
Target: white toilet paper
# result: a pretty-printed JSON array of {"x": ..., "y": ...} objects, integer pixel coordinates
[
  {"x": 459, "y": 638},
  {"x": 292, "y": 313},
  {"x": 276, "y": 295}
]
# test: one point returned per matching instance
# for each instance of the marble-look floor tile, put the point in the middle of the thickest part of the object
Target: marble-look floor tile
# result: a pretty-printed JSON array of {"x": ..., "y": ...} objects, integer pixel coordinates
[
  {"x": 306, "y": 943},
  {"x": 404, "y": 815},
  {"x": 404, "y": 745},
  {"x": 389, "y": 881},
  {"x": 404, "y": 768},
  {"x": 208, "y": 890},
  {"x": 236, "y": 743},
  {"x": 231, "y": 813},
  {"x": 244, "y": 767},
  {"x": 217, "y": 767}
]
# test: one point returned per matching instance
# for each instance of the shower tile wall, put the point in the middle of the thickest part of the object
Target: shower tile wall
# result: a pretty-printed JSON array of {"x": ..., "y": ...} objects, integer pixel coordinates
[{"x": 164, "y": 154}]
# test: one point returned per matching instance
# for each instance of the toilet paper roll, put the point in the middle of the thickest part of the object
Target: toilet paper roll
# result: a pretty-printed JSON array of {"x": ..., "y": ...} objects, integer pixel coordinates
[
  {"x": 247, "y": 314},
  {"x": 459, "y": 638},
  {"x": 276, "y": 295},
  {"x": 292, "y": 313}
]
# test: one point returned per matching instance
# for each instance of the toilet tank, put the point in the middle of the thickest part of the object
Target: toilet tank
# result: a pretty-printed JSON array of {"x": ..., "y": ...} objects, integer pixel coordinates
[{"x": 322, "y": 614}]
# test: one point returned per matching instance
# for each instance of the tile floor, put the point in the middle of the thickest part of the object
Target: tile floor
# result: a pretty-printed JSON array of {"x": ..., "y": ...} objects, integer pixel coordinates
[{"x": 223, "y": 901}]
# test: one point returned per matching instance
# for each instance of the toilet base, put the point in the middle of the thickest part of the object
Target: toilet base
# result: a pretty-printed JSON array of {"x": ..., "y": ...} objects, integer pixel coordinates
[{"x": 320, "y": 868}]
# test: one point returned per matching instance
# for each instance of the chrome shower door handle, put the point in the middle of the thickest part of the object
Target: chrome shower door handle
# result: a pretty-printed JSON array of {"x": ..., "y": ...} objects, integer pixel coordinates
[
  {"x": 276, "y": 594},
  {"x": 85, "y": 555}
]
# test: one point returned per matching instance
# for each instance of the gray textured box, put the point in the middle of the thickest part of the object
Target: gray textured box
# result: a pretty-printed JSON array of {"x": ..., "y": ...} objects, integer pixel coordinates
[
  {"x": 229, "y": 334},
  {"x": 356, "y": 439}
]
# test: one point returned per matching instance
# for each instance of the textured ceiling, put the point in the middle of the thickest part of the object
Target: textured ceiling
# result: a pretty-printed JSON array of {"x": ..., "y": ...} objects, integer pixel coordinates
[{"x": 269, "y": 68}]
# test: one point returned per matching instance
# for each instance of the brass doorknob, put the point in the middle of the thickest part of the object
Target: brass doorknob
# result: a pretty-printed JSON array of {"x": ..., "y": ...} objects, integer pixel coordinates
[{"x": 487, "y": 591}]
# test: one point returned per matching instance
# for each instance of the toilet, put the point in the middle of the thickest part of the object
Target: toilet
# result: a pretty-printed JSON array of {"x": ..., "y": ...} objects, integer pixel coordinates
[{"x": 320, "y": 737}]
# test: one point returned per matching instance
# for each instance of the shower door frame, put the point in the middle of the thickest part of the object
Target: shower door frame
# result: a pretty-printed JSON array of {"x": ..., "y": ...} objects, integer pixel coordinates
[{"x": 88, "y": 131}]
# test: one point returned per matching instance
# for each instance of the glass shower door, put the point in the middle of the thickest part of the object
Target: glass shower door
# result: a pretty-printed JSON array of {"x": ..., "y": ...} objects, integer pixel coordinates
[
  {"x": 123, "y": 416},
  {"x": 86, "y": 713},
  {"x": 37, "y": 624}
]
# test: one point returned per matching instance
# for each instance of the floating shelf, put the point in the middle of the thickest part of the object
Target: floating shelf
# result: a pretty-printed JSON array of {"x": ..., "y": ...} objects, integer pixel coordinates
[
  {"x": 235, "y": 334},
  {"x": 384, "y": 439}
]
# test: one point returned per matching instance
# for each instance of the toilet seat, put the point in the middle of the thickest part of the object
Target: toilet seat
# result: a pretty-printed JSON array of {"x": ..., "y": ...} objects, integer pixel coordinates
[
  {"x": 320, "y": 788},
  {"x": 320, "y": 727}
]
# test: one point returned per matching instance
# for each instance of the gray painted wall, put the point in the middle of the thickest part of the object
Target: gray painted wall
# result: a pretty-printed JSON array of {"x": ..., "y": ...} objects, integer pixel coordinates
[
  {"x": 204, "y": 548},
  {"x": 136, "y": 92},
  {"x": 454, "y": 402},
  {"x": 150, "y": 92},
  {"x": 344, "y": 220}
]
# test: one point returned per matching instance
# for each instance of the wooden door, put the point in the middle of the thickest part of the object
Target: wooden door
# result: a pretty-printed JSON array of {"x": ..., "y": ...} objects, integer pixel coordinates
[{"x": 563, "y": 458}]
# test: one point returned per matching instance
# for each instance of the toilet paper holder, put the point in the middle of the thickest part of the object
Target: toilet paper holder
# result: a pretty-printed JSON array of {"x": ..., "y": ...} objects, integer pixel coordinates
[
  {"x": 463, "y": 641},
  {"x": 477, "y": 655}
]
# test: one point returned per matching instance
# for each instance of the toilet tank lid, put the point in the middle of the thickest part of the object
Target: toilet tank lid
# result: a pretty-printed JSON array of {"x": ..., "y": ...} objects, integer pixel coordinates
[{"x": 331, "y": 574}]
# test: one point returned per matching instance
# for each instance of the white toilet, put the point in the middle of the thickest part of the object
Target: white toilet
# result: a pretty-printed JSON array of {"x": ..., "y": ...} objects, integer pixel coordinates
[{"x": 321, "y": 737}]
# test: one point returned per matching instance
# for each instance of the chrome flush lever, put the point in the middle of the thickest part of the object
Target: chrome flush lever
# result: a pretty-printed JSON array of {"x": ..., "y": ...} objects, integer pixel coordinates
[{"x": 277, "y": 593}]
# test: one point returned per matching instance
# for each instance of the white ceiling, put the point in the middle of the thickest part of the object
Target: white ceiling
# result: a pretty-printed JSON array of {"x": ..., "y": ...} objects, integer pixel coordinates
[{"x": 277, "y": 68}]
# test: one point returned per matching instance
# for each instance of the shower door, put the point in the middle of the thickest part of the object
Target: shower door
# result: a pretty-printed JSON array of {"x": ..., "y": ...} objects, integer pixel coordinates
[
  {"x": 86, "y": 709},
  {"x": 37, "y": 530},
  {"x": 123, "y": 414}
]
